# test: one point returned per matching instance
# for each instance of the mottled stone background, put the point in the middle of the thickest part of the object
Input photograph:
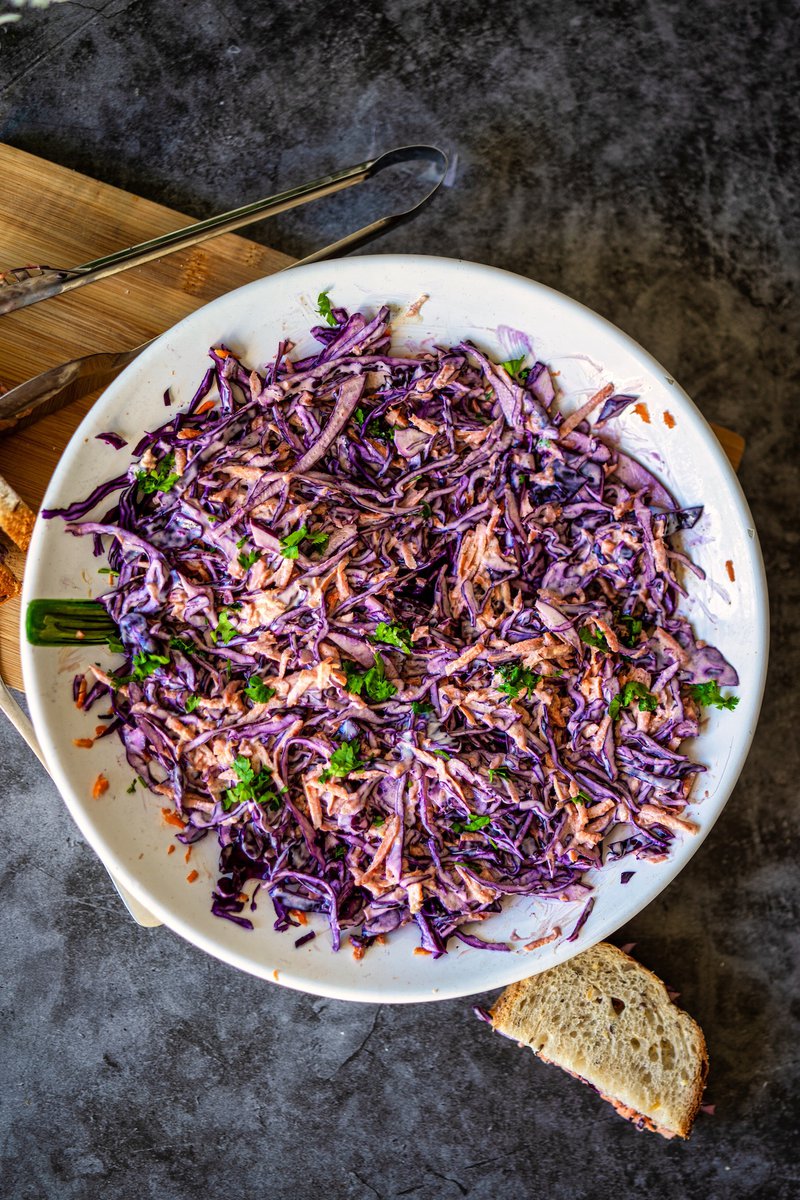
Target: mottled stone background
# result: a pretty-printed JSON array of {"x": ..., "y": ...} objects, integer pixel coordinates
[{"x": 640, "y": 156}]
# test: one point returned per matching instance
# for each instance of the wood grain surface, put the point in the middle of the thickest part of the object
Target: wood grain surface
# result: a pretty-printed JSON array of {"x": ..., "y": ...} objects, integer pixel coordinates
[{"x": 56, "y": 217}]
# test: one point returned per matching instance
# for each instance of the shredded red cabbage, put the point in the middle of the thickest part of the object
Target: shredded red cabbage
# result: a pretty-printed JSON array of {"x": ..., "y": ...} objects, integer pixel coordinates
[{"x": 403, "y": 637}]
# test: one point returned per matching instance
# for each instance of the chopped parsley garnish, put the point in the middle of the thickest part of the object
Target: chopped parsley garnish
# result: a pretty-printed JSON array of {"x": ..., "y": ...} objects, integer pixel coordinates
[
  {"x": 420, "y": 707},
  {"x": 115, "y": 645},
  {"x": 515, "y": 677},
  {"x": 514, "y": 367},
  {"x": 378, "y": 820},
  {"x": 290, "y": 545},
  {"x": 393, "y": 635},
  {"x": 426, "y": 510},
  {"x": 472, "y": 825},
  {"x": 593, "y": 637},
  {"x": 145, "y": 664},
  {"x": 224, "y": 631},
  {"x": 708, "y": 694},
  {"x": 252, "y": 785},
  {"x": 633, "y": 629},
  {"x": 339, "y": 851},
  {"x": 160, "y": 478},
  {"x": 343, "y": 760},
  {"x": 248, "y": 559},
  {"x": 325, "y": 308},
  {"x": 107, "y": 571},
  {"x": 258, "y": 691},
  {"x": 241, "y": 542},
  {"x": 441, "y": 754},
  {"x": 632, "y": 691},
  {"x": 132, "y": 788},
  {"x": 581, "y": 798},
  {"x": 185, "y": 647},
  {"x": 499, "y": 773},
  {"x": 373, "y": 682},
  {"x": 192, "y": 703},
  {"x": 379, "y": 428}
]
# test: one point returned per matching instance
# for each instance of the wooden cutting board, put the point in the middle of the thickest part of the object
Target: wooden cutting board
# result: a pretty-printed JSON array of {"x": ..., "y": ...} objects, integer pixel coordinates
[{"x": 52, "y": 216}]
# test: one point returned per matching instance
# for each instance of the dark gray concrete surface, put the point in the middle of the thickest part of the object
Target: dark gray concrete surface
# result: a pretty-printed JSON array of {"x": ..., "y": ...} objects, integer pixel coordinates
[{"x": 640, "y": 156}]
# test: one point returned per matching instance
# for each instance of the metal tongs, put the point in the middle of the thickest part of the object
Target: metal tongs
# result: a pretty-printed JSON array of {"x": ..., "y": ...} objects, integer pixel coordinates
[
  {"x": 54, "y": 388},
  {"x": 21, "y": 286}
]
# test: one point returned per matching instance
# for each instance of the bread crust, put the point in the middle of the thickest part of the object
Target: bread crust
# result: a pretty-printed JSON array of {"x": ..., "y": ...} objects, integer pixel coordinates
[{"x": 505, "y": 1014}]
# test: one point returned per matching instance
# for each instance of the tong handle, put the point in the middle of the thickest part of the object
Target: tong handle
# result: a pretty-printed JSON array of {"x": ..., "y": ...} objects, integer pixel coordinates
[{"x": 28, "y": 285}]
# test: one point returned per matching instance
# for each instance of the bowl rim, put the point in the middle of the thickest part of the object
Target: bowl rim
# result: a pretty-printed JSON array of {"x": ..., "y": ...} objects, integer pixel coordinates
[{"x": 668, "y": 870}]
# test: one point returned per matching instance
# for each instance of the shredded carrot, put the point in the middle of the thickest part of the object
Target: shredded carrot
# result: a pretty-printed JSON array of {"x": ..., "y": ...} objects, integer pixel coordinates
[
  {"x": 188, "y": 854},
  {"x": 542, "y": 941},
  {"x": 730, "y": 570},
  {"x": 205, "y": 407},
  {"x": 100, "y": 786},
  {"x": 642, "y": 411},
  {"x": 421, "y": 950},
  {"x": 99, "y": 730},
  {"x": 81, "y": 693},
  {"x": 299, "y": 916},
  {"x": 84, "y": 743},
  {"x": 190, "y": 878},
  {"x": 171, "y": 818},
  {"x": 358, "y": 952},
  {"x": 381, "y": 939},
  {"x": 186, "y": 435},
  {"x": 170, "y": 848},
  {"x": 221, "y": 352},
  {"x": 669, "y": 420},
  {"x": 275, "y": 975}
]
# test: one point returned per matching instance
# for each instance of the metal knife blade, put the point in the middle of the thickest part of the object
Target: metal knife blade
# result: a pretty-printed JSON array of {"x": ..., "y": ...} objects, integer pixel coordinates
[{"x": 58, "y": 387}]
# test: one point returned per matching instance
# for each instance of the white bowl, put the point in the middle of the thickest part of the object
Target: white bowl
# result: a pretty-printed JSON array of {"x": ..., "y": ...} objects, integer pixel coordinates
[{"x": 464, "y": 299}]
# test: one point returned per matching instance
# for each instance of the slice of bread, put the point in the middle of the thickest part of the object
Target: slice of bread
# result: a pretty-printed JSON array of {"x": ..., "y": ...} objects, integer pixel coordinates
[{"x": 606, "y": 1019}]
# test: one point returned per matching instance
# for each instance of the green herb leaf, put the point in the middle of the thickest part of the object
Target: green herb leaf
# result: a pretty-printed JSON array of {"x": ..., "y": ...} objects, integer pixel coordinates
[
  {"x": 632, "y": 691},
  {"x": 247, "y": 560},
  {"x": 258, "y": 691},
  {"x": 393, "y": 635},
  {"x": 593, "y": 637},
  {"x": 708, "y": 694},
  {"x": 514, "y": 366},
  {"x": 343, "y": 760},
  {"x": 224, "y": 631},
  {"x": 290, "y": 545},
  {"x": 145, "y": 664},
  {"x": 514, "y": 678},
  {"x": 185, "y": 647},
  {"x": 115, "y": 645},
  {"x": 325, "y": 309},
  {"x": 499, "y": 773},
  {"x": 252, "y": 786},
  {"x": 581, "y": 798},
  {"x": 378, "y": 820},
  {"x": 107, "y": 571},
  {"x": 474, "y": 824},
  {"x": 160, "y": 478},
  {"x": 440, "y": 754},
  {"x": 339, "y": 851},
  {"x": 130, "y": 790},
  {"x": 633, "y": 629},
  {"x": 372, "y": 682},
  {"x": 421, "y": 707},
  {"x": 192, "y": 703},
  {"x": 426, "y": 511}
]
